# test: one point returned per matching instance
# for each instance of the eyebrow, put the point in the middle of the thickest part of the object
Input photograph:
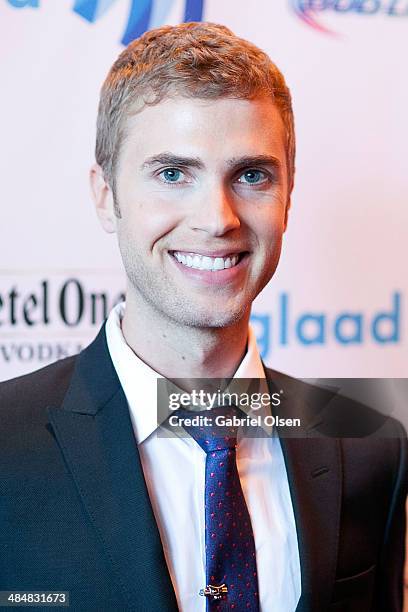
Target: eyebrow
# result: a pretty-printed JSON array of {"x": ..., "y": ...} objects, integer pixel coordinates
[
  {"x": 255, "y": 160},
  {"x": 172, "y": 159}
]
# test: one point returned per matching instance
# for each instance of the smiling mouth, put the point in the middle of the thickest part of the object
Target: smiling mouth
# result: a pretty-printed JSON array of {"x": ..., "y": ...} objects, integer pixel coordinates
[{"x": 205, "y": 262}]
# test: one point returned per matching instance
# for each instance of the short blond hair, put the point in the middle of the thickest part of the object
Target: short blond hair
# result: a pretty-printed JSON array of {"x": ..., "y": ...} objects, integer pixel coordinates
[{"x": 195, "y": 59}]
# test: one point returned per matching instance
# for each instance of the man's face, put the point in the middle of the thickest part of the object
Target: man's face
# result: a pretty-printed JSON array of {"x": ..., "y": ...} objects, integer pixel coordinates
[{"x": 202, "y": 191}]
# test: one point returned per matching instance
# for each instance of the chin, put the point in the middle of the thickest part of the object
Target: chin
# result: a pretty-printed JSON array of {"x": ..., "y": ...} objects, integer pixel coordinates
[{"x": 211, "y": 318}]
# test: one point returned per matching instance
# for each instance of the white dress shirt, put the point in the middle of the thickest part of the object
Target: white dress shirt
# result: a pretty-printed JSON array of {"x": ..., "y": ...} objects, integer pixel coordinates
[{"x": 174, "y": 470}]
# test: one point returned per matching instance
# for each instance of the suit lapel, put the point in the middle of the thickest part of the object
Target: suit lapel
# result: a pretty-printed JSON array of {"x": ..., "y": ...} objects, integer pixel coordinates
[
  {"x": 313, "y": 465},
  {"x": 94, "y": 431}
]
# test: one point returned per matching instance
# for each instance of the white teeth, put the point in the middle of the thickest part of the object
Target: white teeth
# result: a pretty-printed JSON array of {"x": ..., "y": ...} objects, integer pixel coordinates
[
  {"x": 207, "y": 263},
  {"x": 203, "y": 262}
]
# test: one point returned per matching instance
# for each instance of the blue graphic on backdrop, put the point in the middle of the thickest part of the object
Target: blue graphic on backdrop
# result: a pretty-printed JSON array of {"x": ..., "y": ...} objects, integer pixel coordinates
[
  {"x": 143, "y": 15},
  {"x": 24, "y": 3}
]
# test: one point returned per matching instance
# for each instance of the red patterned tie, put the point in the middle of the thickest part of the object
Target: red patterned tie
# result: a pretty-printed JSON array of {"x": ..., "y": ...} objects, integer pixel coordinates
[{"x": 232, "y": 582}]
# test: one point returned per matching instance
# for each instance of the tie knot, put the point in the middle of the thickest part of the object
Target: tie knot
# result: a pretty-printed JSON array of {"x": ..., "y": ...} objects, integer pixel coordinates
[{"x": 214, "y": 429}]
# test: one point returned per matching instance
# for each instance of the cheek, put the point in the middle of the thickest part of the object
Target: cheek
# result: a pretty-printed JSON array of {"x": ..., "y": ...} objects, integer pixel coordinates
[
  {"x": 146, "y": 222},
  {"x": 268, "y": 226}
]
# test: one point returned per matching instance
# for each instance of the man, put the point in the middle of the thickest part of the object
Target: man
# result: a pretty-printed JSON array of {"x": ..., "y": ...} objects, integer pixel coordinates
[{"x": 195, "y": 165}]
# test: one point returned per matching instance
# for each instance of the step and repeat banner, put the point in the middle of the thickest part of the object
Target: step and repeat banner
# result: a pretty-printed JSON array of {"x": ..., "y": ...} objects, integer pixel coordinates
[{"x": 337, "y": 306}]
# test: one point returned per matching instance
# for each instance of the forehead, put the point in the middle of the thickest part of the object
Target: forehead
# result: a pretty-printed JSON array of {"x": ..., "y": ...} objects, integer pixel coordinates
[{"x": 211, "y": 129}]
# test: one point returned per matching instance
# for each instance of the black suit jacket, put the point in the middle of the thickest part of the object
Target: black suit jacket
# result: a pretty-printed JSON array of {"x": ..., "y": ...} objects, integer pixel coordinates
[{"x": 75, "y": 514}]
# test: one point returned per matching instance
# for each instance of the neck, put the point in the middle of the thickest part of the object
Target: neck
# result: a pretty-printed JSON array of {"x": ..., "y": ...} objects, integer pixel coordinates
[{"x": 181, "y": 351}]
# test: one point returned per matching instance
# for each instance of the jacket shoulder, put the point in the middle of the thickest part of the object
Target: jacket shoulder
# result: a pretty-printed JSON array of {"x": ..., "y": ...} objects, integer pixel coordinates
[
  {"x": 376, "y": 421},
  {"x": 25, "y": 396}
]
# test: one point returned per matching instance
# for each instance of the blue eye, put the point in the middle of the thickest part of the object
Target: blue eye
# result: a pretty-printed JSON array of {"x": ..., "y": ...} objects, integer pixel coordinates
[
  {"x": 252, "y": 177},
  {"x": 171, "y": 175}
]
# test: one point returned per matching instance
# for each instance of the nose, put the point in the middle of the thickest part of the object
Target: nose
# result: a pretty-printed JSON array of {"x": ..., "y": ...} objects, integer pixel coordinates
[{"x": 215, "y": 214}]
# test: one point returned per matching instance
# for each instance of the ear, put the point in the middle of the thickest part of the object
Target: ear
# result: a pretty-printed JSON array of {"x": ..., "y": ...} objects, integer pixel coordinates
[
  {"x": 285, "y": 222},
  {"x": 103, "y": 199}
]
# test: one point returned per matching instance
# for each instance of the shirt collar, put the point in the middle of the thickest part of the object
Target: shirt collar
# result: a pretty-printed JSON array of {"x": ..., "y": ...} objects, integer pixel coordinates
[{"x": 139, "y": 381}]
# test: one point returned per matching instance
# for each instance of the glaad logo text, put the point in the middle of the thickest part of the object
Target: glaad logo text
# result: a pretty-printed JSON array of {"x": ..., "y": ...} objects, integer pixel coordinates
[{"x": 143, "y": 14}]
